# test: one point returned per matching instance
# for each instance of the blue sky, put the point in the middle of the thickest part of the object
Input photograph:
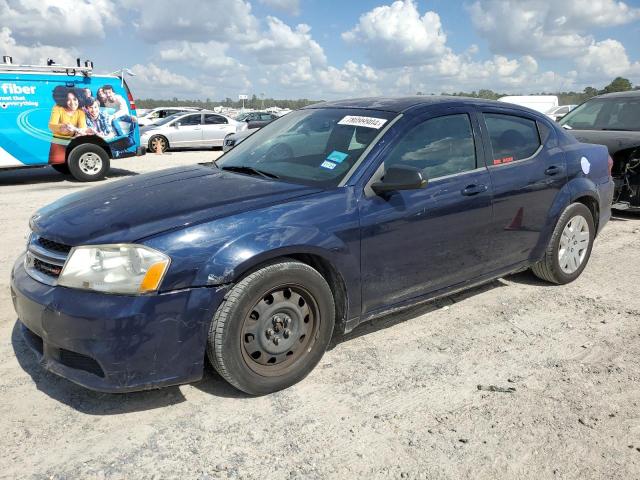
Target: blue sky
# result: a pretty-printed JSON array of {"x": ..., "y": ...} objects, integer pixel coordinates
[{"x": 333, "y": 49}]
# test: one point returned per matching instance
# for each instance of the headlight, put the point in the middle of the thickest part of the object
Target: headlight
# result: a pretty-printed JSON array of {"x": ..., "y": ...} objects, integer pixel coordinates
[{"x": 126, "y": 269}]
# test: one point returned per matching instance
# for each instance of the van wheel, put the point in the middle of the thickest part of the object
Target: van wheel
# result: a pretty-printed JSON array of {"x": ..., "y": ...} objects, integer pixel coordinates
[
  {"x": 570, "y": 246},
  {"x": 158, "y": 141},
  {"x": 61, "y": 168},
  {"x": 273, "y": 327},
  {"x": 88, "y": 162}
]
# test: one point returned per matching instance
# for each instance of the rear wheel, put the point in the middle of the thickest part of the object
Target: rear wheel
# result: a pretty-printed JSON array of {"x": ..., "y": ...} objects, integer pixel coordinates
[
  {"x": 88, "y": 162},
  {"x": 570, "y": 246},
  {"x": 273, "y": 327}
]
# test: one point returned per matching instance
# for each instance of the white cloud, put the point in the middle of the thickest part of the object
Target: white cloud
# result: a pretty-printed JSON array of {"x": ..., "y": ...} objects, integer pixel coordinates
[
  {"x": 397, "y": 35},
  {"x": 607, "y": 59},
  {"x": 282, "y": 44},
  {"x": 154, "y": 81},
  {"x": 34, "y": 54},
  {"x": 199, "y": 20},
  {"x": 58, "y": 22},
  {"x": 543, "y": 28},
  {"x": 292, "y": 7},
  {"x": 209, "y": 55}
]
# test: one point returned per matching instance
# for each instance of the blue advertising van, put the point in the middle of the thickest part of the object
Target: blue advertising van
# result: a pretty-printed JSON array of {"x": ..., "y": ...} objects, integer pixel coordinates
[{"x": 65, "y": 117}]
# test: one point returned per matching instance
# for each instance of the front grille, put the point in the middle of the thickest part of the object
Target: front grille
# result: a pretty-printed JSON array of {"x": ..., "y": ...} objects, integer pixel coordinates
[
  {"x": 54, "y": 246},
  {"x": 47, "y": 268},
  {"x": 80, "y": 362},
  {"x": 35, "y": 341},
  {"x": 45, "y": 259}
]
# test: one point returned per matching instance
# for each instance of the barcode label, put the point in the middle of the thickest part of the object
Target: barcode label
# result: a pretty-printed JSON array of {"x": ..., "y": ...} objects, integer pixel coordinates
[{"x": 370, "y": 122}]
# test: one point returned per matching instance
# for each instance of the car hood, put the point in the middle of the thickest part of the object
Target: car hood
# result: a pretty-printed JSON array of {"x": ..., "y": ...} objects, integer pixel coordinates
[
  {"x": 612, "y": 139},
  {"x": 132, "y": 209}
]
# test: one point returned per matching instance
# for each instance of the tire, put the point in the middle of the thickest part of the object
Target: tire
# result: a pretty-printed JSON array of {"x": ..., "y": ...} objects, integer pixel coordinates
[
  {"x": 577, "y": 218},
  {"x": 158, "y": 139},
  {"x": 88, "y": 162},
  {"x": 246, "y": 323},
  {"x": 61, "y": 168}
]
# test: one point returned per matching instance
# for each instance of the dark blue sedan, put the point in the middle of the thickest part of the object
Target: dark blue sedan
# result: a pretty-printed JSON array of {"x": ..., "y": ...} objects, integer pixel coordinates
[{"x": 325, "y": 218}]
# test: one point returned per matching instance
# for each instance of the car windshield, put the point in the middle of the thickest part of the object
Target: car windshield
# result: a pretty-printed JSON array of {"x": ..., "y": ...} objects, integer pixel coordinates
[
  {"x": 605, "y": 114},
  {"x": 311, "y": 146}
]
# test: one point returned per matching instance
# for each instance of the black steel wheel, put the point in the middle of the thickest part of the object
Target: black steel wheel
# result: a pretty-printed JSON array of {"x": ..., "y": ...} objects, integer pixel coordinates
[{"x": 273, "y": 327}]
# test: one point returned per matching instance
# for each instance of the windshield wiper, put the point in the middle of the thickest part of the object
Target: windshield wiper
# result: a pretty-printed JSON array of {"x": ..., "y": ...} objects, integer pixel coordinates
[{"x": 249, "y": 170}]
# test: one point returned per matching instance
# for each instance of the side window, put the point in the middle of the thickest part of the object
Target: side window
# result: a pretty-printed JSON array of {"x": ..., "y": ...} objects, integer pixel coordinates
[
  {"x": 512, "y": 138},
  {"x": 210, "y": 119},
  {"x": 190, "y": 120},
  {"x": 439, "y": 146}
]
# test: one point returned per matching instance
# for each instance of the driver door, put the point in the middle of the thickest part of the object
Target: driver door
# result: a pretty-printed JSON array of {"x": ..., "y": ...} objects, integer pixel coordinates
[{"x": 414, "y": 242}]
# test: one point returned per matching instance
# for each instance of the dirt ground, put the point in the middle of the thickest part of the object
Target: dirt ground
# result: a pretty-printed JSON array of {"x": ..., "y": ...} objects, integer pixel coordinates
[{"x": 397, "y": 398}]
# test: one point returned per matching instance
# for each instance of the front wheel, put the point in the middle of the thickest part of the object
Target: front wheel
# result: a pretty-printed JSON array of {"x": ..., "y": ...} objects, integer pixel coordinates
[
  {"x": 273, "y": 327},
  {"x": 570, "y": 246},
  {"x": 88, "y": 162},
  {"x": 158, "y": 142}
]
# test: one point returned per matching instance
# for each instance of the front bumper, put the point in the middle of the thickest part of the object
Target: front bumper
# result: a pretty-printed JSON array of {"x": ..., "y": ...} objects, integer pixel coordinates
[{"x": 115, "y": 343}]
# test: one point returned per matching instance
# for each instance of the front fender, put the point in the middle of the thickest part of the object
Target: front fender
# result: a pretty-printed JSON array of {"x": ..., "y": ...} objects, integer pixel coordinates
[{"x": 248, "y": 251}]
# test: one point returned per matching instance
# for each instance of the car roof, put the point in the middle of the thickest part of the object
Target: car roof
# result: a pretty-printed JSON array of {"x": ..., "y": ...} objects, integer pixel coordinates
[
  {"x": 627, "y": 94},
  {"x": 403, "y": 104}
]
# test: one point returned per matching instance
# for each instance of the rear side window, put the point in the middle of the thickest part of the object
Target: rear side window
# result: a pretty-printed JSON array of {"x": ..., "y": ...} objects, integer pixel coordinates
[
  {"x": 190, "y": 120},
  {"x": 214, "y": 119},
  {"x": 439, "y": 146},
  {"x": 512, "y": 138}
]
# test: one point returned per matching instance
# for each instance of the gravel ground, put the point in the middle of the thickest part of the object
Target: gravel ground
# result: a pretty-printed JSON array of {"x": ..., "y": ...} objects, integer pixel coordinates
[{"x": 396, "y": 398}]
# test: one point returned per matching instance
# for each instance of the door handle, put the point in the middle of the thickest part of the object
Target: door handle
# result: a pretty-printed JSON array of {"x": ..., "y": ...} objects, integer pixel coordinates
[
  {"x": 470, "y": 190},
  {"x": 553, "y": 170}
]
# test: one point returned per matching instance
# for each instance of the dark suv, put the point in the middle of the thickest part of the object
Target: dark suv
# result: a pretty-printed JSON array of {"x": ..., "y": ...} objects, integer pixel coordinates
[
  {"x": 331, "y": 216},
  {"x": 613, "y": 120}
]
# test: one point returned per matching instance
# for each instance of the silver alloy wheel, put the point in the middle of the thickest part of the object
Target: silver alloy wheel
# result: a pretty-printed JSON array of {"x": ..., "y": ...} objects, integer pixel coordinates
[
  {"x": 574, "y": 244},
  {"x": 90, "y": 163}
]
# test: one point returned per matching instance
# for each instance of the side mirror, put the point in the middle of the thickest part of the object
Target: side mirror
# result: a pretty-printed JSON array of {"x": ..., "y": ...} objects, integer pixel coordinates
[{"x": 400, "y": 177}]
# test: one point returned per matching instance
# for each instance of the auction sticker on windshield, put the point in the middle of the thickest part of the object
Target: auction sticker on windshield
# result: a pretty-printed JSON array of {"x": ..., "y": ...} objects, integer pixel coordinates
[{"x": 356, "y": 121}]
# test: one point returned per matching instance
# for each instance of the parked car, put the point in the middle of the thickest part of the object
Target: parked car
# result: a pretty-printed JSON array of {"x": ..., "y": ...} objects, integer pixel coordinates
[
  {"x": 234, "y": 139},
  {"x": 189, "y": 129},
  {"x": 154, "y": 115},
  {"x": 254, "y": 260},
  {"x": 613, "y": 120},
  {"x": 65, "y": 117},
  {"x": 256, "y": 119},
  {"x": 556, "y": 113}
]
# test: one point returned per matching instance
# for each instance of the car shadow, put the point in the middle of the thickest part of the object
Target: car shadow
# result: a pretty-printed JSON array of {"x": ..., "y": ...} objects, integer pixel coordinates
[
  {"x": 622, "y": 216},
  {"x": 35, "y": 175},
  {"x": 97, "y": 403},
  {"x": 392, "y": 319}
]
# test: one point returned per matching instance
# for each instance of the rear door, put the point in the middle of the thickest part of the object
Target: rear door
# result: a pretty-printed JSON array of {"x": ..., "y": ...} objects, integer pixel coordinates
[
  {"x": 215, "y": 128},
  {"x": 187, "y": 131},
  {"x": 419, "y": 241},
  {"x": 527, "y": 169}
]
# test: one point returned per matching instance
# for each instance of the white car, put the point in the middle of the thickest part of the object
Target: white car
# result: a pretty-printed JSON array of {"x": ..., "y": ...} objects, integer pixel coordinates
[
  {"x": 154, "y": 115},
  {"x": 557, "y": 113},
  {"x": 189, "y": 129}
]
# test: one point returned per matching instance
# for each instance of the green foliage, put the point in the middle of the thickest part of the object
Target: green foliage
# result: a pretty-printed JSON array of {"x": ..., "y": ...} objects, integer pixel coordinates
[{"x": 619, "y": 84}]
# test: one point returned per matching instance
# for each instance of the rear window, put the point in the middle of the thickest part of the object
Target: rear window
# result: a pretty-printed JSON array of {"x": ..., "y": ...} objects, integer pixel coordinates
[{"x": 512, "y": 138}]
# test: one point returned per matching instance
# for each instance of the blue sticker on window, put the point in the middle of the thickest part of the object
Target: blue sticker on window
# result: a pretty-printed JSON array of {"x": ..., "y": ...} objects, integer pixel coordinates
[
  {"x": 328, "y": 165},
  {"x": 337, "y": 156}
]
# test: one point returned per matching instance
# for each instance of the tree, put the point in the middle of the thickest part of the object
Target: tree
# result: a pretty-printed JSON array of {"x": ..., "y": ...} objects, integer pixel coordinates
[
  {"x": 619, "y": 84},
  {"x": 590, "y": 92}
]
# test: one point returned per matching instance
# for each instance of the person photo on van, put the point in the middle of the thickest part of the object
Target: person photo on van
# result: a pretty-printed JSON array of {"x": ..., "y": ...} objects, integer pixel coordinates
[
  {"x": 101, "y": 96},
  {"x": 66, "y": 121},
  {"x": 110, "y": 129},
  {"x": 115, "y": 101}
]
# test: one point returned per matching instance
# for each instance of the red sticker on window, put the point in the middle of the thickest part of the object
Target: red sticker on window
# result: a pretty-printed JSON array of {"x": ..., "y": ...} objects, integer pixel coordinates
[{"x": 500, "y": 161}]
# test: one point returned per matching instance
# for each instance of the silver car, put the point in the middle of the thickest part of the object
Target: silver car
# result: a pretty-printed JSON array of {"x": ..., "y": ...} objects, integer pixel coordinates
[{"x": 189, "y": 129}]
